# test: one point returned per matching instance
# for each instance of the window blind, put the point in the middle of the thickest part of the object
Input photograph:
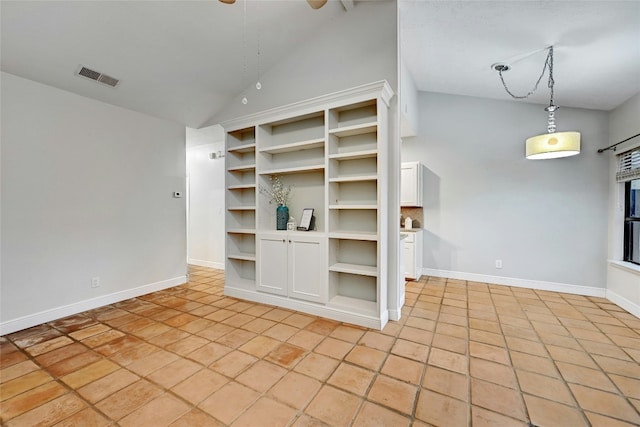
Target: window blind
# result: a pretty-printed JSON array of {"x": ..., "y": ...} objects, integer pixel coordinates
[{"x": 628, "y": 166}]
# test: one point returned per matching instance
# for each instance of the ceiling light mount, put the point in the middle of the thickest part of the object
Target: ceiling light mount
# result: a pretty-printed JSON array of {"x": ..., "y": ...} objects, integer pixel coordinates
[{"x": 500, "y": 67}]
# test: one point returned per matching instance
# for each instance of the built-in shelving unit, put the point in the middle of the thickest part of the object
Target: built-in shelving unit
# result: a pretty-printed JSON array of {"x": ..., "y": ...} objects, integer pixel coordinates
[{"x": 331, "y": 150}]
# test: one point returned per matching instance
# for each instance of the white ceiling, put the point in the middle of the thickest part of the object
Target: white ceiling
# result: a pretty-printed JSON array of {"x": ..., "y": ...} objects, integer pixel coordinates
[
  {"x": 179, "y": 60},
  {"x": 449, "y": 46},
  {"x": 185, "y": 60}
]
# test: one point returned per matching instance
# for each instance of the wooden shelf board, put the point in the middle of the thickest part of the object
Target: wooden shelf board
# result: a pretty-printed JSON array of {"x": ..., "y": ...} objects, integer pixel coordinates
[
  {"x": 241, "y": 231},
  {"x": 353, "y": 235},
  {"x": 297, "y": 169},
  {"x": 294, "y": 146},
  {"x": 244, "y": 148},
  {"x": 353, "y": 206},
  {"x": 354, "y": 178},
  {"x": 241, "y": 168},
  {"x": 354, "y": 129},
  {"x": 241, "y": 187},
  {"x": 353, "y": 155},
  {"x": 241, "y": 208},
  {"x": 244, "y": 256},
  {"x": 363, "y": 270},
  {"x": 354, "y": 304}
]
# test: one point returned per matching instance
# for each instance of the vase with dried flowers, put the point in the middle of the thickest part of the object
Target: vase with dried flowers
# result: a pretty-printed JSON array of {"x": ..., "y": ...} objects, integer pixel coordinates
[{"x": 278, "y": 193}]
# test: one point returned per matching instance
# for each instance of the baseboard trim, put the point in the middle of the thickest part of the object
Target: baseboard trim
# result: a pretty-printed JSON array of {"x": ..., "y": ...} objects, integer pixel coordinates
[
  {"x": 630, "y": 306},
  {"x": 519, "y": 283},
  {"x": 14, "y": 325},
  {"x": 203, "y": 263}
]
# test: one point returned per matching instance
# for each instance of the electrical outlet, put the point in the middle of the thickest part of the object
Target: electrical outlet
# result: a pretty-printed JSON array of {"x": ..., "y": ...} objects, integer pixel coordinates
[
  {"x": 95, "y": 282},
  {"x": 498, "y": 263}
]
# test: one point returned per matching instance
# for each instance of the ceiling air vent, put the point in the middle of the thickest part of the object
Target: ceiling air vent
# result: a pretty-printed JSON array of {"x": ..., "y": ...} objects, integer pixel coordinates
[{"x": 97, "y": 76}]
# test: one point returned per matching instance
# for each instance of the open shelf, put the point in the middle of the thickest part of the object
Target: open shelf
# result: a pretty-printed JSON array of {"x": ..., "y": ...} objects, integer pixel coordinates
[
  {"x": 297, "y": 169},
  {"x": 363, "y": 270},
  {"x": 241, "y": 231},
  {"x": 354, "y": 178},
  {"x": 364, "y": 154},
  {"x": 294, "y": 146},
  {"x": 241, "y": 208},
  {"x": 354, "y": 235},
  {"x": 241, "y": 187},
  {"x": 354, "y": 206},
  {"x": 242, "y": 256},
  {"x": 352, "y": 130},
  {"x": 356, "y": 305},
  {"x": 241, "y": 168},
  {"x": 246, "y": 148}
]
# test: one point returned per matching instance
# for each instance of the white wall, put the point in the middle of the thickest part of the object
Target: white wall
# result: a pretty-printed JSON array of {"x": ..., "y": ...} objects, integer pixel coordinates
[
  {"x": 623, "y": 279},
  {"x": 357, "y": 48},
  {"x": 205, "y": 179},
  {"x": 546, "y": 220},
  {"x": 86, "y": 191}
]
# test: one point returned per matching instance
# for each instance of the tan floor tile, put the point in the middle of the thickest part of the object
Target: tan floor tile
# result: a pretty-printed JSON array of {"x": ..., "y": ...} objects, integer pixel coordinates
[
  {"x": 305, "y": 339},
  {"x": 577, "y": 357},
  {"x": 89, "y": 373},
  {"x": 493, "y": 372},
  {"x": 175, "y": 372},
  {"x": 416, "y": 335},
  {"x": 296, "y": 390},
  {"x": 560, "y": 341},
  {"x": 258, "y": 325},
  {"x": 448, "y": 360},
  {"x": 23, "y": 383},
  {"x": 447, "y": 342},
  {"x": 317, "y": 366},
  {"x": 545, "y": 387},
  {"x": 46, "y": 346},
  {"x": 604, "y": 403},
  {"x": 168, "y": 337},
  {"x": 628, "y": 386},
  {"x": 72, "y": 323},
  {"x": 90, "y": 331},
  {"x": 124, "y": 344},
  {"x": 30, "y": 399},
  {"x": 322, "y": 326},
  {"x": 261, "y": 376},
  {"x": 161, "y": 411},
  {"x": 57, "y": 355},
  {"x": 376, "y": 340},
  {"x": 411, "y": 350},
  {"x": 209, "y": 353},
  {"x": 229, "y": 402},
  {"x": 597, "y": 420},
  {"x": 547, "y": 413},
  {"x": 180, "y": 320},
  {"x": 496, "y": 398},
  {"x": 480, "y": 417},
  {"x": 403, "y": 369},
  {"x": 125, "y": 401},
  {"x": 233, "y": 363},
  {"x": 152, "y": 362},
  {"x": 103, "y": 338},
  {"x": 196, "y": 417},
  {"x": 447, "y": 383},
  {"x": 258, "y": 310},
  {"x": 531, "y": 363},
  {"x": 347, "y": 333},
  {"x": 286, "y": 355},
  {"x": 277, "y": 314},
  {"x": 620, "y": 367},
  {"x": 103, "y": 387},
  {"x": 394, "y": 394},
  {"x": 334, "y": 348},
  {"x": 49, "y": 413},
  {"x": 421, "y": 323},
  {"x": 187, "y": 345},
  {"x": 214, "y": 332},
  {"x": 486, "y": 337},
  {"x": 238, "y": 320},
  {"x": 280, "y": 332},
  {"x": 17, "y": 370},
  {"x": 260, "y": 346},
  {"x": 439, "y": 410},
  {"x": 86, "y": 417},
  {"x": 526, "y": 346},
  {"x": 609, "y": 350},
  {"x": 266, "y": 412},
  {"x": 585, "y": 376},
  {"x": 74, "y": 363},
  {"x": 199, "y": 386},
  {"x": 32, "y": 336},
  {"x": 366, "y": 357},
  {"x": 372, "y": 415},
  {"x": 236, "y": 338},
  {"x": 489, "y": 352},
  {"x": 197, "y": 325},
  {"x": 351, "y": 378},
  {"x": 298, "y": 320},
  {"x": 333, "y": 406}
]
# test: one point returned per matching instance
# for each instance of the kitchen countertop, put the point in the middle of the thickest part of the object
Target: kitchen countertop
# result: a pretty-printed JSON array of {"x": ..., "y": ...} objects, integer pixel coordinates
[{"x": 409, "y": 230}]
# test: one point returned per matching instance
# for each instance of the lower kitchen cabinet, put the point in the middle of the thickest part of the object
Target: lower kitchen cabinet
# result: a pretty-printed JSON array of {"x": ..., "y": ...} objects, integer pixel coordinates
[{"x": 413, "y": 244}]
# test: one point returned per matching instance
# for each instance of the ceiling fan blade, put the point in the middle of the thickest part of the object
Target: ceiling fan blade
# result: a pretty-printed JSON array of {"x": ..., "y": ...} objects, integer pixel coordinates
[
  {"x": 228, "y": 1},
  {"x": 316, "y": 4}
]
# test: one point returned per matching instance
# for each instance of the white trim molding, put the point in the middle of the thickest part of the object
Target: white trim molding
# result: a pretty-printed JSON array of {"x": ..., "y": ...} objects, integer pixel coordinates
[
  {"x": 519, "y": 283},
  {"x": 203, "y": 263},
  {"x": 627, "y": 266},
  {"x": 621, "y": 301},
  {"x": 13, "y": 325}
]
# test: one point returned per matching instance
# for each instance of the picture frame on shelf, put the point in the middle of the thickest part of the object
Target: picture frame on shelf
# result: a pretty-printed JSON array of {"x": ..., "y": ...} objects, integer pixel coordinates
[{"x": 306, "y": 220}]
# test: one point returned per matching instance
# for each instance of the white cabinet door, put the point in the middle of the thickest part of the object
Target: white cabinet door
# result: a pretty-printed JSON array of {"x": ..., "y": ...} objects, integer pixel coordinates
[
  {"x": 411, "y": 184},
  {"x": 409, "y": 260},
  {"x": 308, "y": 268},
  {"x": 272, "y": 263}
]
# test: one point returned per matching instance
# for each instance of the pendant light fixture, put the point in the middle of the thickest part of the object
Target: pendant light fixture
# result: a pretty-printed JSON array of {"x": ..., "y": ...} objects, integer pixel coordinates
[{"x": 551, "y": 145}]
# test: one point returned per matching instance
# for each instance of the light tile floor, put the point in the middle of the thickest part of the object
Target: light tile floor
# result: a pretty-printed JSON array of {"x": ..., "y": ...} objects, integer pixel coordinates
[{"x": 464, "y": 354}]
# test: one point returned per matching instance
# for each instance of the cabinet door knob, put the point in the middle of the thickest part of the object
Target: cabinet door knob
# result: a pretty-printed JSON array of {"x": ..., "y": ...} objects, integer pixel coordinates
[
  {"x": 289, "y": 240},
  {"x": 282, "y": 240}
]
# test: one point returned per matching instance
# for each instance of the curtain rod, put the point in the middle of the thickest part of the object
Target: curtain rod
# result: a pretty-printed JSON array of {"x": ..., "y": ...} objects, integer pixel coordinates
[{"x": 617, "y": 143}]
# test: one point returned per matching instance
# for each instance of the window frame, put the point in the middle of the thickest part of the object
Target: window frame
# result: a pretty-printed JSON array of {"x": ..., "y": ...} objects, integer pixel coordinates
[{"x": 628, "y": 221}]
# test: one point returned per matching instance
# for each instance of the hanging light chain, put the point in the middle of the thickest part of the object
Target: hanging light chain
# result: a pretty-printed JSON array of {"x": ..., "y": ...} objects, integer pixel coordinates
[{"x": 548, "y": 63}]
